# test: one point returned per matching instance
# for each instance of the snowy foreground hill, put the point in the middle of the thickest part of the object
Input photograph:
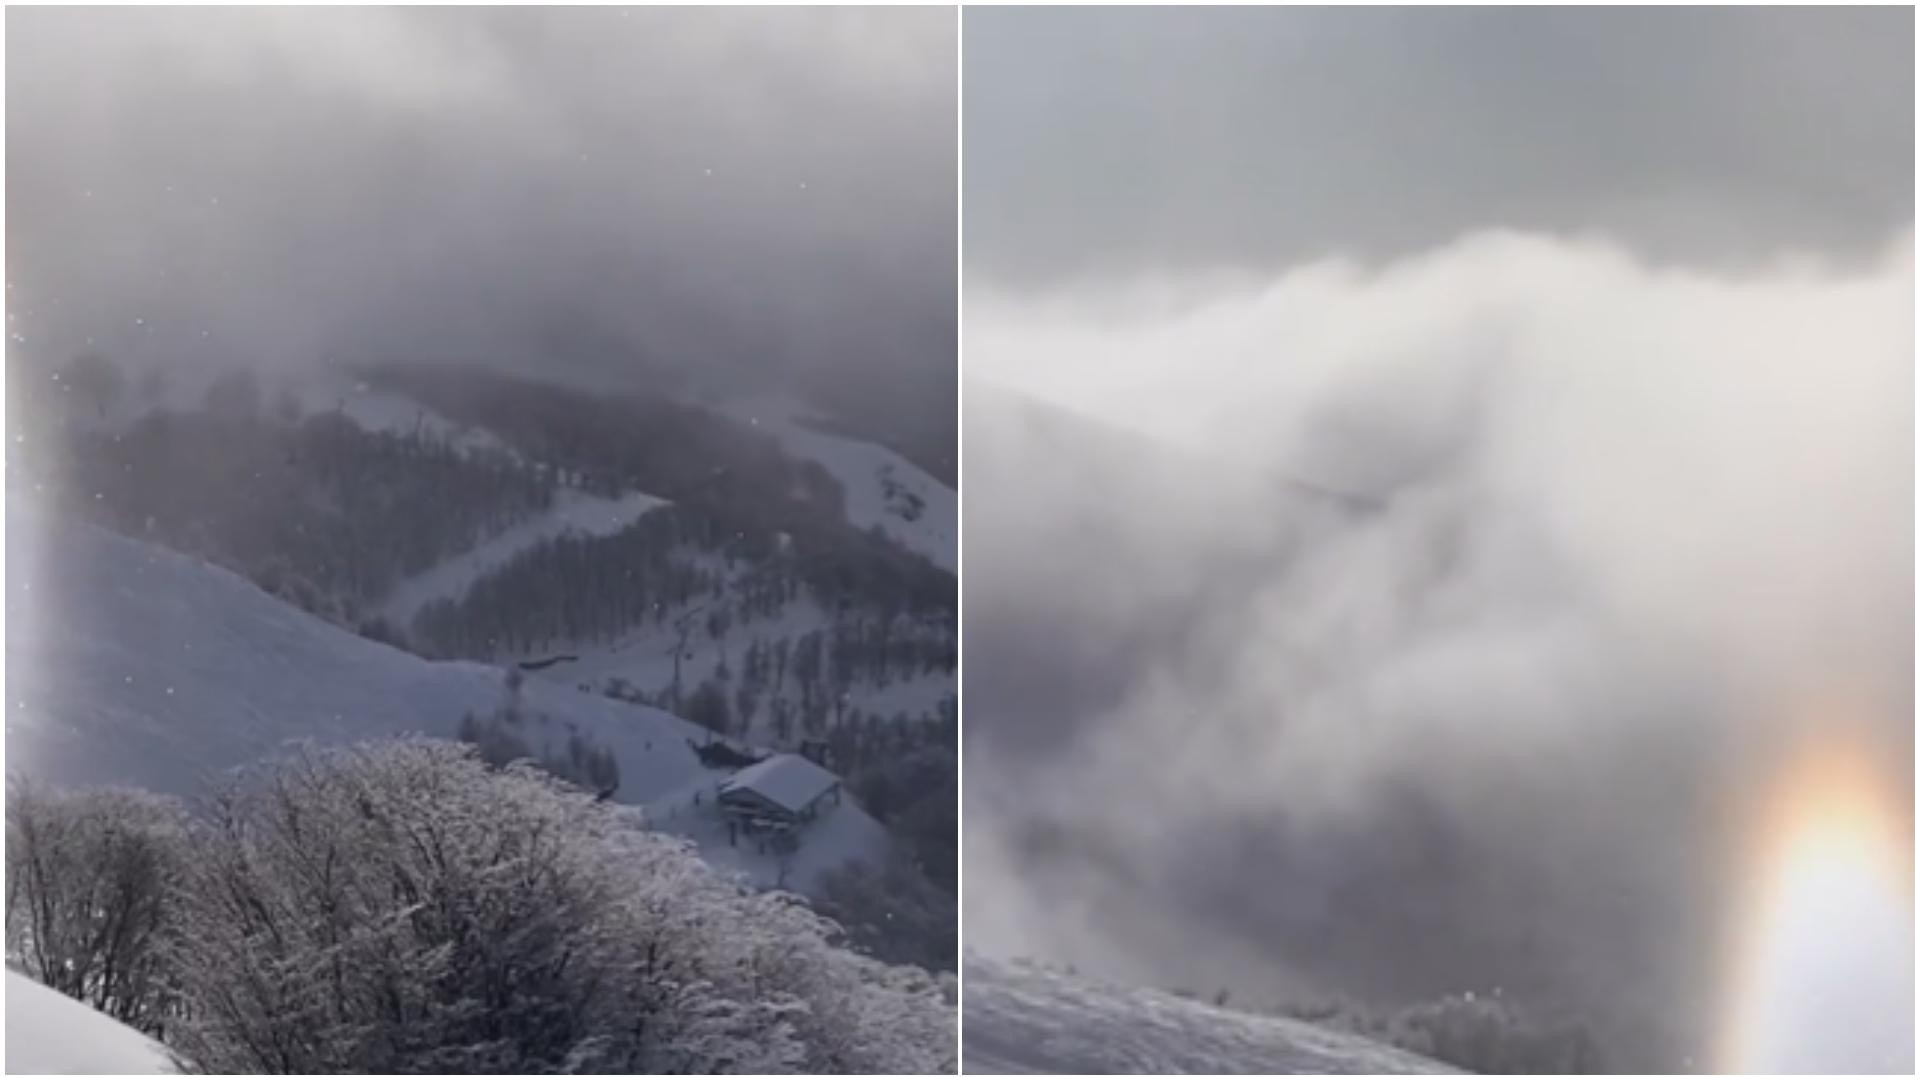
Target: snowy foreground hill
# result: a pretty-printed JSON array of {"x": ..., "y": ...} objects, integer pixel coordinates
[
  {"x": 1023, "y": 1019},
  {"x": 134, "y": 665},
  {"x": 48, "y": 1032}
]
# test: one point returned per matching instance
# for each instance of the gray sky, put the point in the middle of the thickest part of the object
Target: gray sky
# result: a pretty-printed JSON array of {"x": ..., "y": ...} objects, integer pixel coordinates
[
  {"x": 757, "y": 190},
  {"x": 1111, "y": 142}
]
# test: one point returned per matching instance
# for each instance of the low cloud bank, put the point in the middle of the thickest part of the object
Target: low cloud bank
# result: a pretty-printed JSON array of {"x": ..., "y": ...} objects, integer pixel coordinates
[{"x": 1409, "y": 628}]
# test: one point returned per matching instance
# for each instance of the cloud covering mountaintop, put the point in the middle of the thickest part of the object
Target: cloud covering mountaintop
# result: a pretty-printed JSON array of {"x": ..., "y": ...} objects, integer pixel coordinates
[{"x": 768, "y": 196}]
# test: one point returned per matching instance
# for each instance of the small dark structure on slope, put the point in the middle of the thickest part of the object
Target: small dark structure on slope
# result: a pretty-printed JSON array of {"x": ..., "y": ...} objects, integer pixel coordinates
[{"x": 718, "y": 754}]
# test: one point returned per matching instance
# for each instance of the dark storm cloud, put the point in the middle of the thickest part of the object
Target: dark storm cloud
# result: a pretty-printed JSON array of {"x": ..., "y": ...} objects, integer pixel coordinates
[
  {"x": 1110, "y": 143},
  {"x": 590, "y": 190}
]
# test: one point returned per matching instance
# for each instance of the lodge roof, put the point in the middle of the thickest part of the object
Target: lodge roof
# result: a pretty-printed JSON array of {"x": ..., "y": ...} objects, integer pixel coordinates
[{"x": 791, "y": 782}]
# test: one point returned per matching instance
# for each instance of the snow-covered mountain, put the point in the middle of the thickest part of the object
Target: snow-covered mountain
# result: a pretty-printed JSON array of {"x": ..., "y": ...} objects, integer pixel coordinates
[
  {"x": 132, "y": 664},
  {"x": 218, "y": 568},
  {"x": 882, "y": 488},
  {"x": 47, "y": 1032},
  {"x": 1020, "y": 1018}
]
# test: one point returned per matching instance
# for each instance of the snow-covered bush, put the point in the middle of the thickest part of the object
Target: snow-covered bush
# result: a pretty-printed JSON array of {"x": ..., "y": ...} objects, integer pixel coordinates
[
  {"x": 1479, "y": 1033},
  {"x": 850, "y": 1014},
  {"x": 91, "y": 895},
  {"x": 404, "y": 907},
  {"x": 1484, "y": 1034}
]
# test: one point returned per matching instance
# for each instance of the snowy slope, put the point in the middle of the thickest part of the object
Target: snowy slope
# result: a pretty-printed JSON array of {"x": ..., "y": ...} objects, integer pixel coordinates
[
  {"x": 572, "y": 512},
  {"x": 381, "y": 411},
  {"x": 131, "y": 664},
  {"x": 48, "y": 1032},
  {"x": 881, "y": 488},
  {"x": 1022, "y": 1019}
]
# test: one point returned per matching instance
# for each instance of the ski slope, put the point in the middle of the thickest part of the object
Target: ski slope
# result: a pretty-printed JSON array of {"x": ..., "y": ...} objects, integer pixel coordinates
[
  {"x": 881, "y": 488},
  {"x": 1023, "y": 1019},
  {"x": 130, "y": 664},
  {"x": 572, "y": 512},
  {"x": 48, "y": 1032}
]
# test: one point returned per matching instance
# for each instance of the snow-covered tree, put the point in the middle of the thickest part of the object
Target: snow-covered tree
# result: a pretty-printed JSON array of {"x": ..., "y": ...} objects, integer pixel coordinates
[
  {"x": 91, "y": 894},
  {"x": 404, "y": 907}
]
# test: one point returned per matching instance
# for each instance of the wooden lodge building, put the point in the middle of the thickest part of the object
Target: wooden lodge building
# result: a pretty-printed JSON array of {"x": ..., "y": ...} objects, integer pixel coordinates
[{"x": 779, "y": 793}]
